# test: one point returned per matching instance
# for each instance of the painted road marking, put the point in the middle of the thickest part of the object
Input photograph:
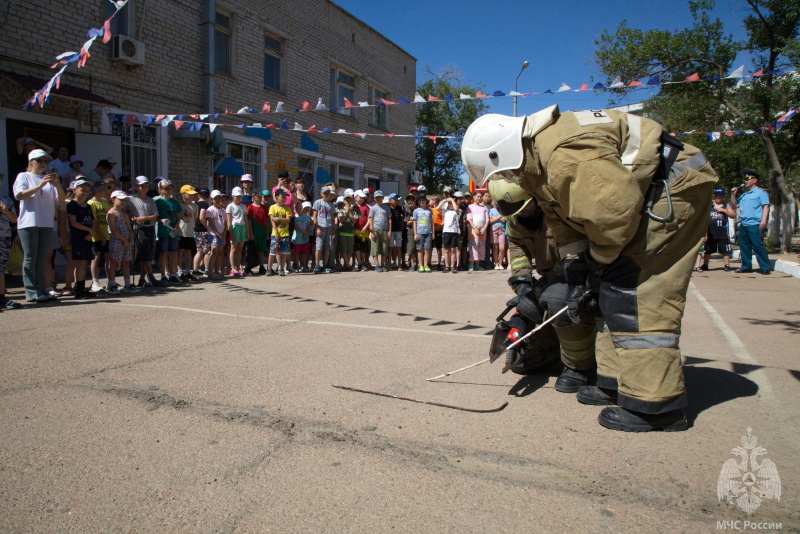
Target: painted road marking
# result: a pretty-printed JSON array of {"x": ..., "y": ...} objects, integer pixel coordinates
[
  {"x": 303, "y": 321},
  {"x": 740, "y": 352}
]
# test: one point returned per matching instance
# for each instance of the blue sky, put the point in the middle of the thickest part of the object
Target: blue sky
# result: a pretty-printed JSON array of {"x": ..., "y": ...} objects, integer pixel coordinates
[{"x": 488, "y": 42}]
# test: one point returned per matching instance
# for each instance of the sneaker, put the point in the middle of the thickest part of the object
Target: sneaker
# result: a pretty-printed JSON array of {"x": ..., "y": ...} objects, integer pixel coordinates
[
  {"x": 53, "y": 294},
  {"x": 727, "y": 268},
  {"x": 479, "y": 268},
  {"x": 446, "y": 270},
  {"x": 704, "y": 267},
  {"x": 328, "y": 270},
  {"x": 174, "y": 280},
  {"x": 281, "y": 272},
  {"x": 42, "y": 298},
  {"x": 11, "y": 305},
  {"x": 67, "y": 291},
  {"x": 112, "y": 290},
  {"x": 195, "y": 272},
  {"x": 132, "y": 289},
  {"x": 364, "y": 268},
  {"x": 317, "y": 269},
  {"x": 270, "y": 272},
  {"x": 191, "y": 277},
  {"x": 470, "y": 268},
  {"x": 96, "y": 288},
  {"x": 454, "y": 270},
  {"x": 183, "y": 276},
  {"x": 413, "y": 268},
  {"x": 262, "y": 271}
]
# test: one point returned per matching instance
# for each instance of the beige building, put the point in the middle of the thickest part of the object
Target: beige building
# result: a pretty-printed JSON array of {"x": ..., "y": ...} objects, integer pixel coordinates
[{"x": 192, "y": 57}]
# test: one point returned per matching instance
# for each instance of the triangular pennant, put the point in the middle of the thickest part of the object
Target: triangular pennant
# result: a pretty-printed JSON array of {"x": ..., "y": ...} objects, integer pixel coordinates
[
  {"x": 107, "y": 31},
  {"x": 177, "y": 124},
  {"x": 617, "y": 83},
  {"x": 243, "y": 111},
  {"x": 348, "y": 104},
  {"x": 388, "y": 135},
  {"x": 326, "y": 130},
  {"x": 361, "y": 135},
  {"x": 403, "y": 100},
  {"x": 738, "y": 73},
  {"x": 448, "y": 96},
  {"x": 320, "y": 105},
  {"x": 759, "y": 73},
  {"x": 387, "y": 102},
  {"x": 313, "y": 128},
  {"x": 692, "y": 78},
  {"x": 498, "y": 94},
  {"x": 635, "y": 83},
  {"x": 279, "y": 108},
  {"x": 284, "y": 125},
  {"x": 271, "y": 126},
  {"x": 464, "y": 96},
  {"x": 418, "y": 98},
  {"x": 432, "y": 98},
  {"x": 598, "y": 85},
  {"x": 655, "y": 80},
  {"x": 564, "y": 87},
  {"x": 584, "y": 87},
  {"x": 297, "y": 126},
  {"x": 266, "y": 107},
  {"x": 481, "y": 94},
  {"x": 212, "y": 126},
  {"x": 363, "y": 104},
  {"x": 432, "y": 138},
  {"x": 306, "y": 106},
  {"x": 341, "y": 131}
]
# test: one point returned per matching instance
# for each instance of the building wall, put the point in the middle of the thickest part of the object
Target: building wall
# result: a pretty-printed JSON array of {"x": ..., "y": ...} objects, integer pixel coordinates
[{"x": 316, "y": 34}]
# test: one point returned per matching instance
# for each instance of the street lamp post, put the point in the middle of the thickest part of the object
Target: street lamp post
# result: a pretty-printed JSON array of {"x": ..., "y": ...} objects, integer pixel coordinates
[{"x": 524, "y": 66}]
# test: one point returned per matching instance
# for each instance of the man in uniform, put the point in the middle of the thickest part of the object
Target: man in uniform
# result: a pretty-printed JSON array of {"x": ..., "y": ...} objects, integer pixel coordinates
[{"x": 627, "y": 207}]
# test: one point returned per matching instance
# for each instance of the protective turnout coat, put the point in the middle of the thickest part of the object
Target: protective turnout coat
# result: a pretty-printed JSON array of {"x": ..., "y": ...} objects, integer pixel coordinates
[{"x": 592, "y": 173}]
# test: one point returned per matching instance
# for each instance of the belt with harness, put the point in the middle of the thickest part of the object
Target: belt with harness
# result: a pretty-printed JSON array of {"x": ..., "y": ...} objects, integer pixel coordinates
[{"x": 668, "y": 170}]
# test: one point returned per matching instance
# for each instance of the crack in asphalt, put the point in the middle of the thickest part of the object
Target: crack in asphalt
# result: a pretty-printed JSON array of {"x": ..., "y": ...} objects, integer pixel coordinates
[{"x": 601, "y": 488}]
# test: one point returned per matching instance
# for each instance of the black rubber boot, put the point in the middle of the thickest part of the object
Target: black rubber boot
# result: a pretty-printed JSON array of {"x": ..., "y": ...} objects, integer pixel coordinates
[
  {"x": 597, "y": 396},
  {"x": 617, "y": 418},
  {"x": 571, "y": 380}
]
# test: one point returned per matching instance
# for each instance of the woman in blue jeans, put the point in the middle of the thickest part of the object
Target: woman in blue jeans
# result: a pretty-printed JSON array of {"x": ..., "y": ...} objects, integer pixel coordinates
[{"x": 39, "y": 195}]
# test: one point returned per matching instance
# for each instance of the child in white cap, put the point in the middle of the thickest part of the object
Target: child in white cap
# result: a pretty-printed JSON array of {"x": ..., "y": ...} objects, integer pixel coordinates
[{"x": 120, "y": 245}]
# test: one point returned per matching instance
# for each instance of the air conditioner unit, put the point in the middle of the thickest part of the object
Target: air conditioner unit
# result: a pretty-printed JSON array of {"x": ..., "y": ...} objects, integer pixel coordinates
[
  {"x": 415, "y": 177},
  {"x": 127, "y": 50}
]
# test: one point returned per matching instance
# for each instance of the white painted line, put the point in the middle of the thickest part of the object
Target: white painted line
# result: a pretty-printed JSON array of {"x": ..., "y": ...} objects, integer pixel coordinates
[
  {"x": 302, "y": 321},
  {"x": 740, "y": 352}
]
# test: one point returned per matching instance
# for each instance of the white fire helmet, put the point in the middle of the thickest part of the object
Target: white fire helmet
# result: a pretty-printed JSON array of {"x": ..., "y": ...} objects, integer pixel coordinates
[{"x": 492, "y": 144}]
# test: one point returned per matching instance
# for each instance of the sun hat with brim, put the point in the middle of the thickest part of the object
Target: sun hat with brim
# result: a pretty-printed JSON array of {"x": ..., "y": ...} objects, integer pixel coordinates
[{"x": 38, "y": 153}]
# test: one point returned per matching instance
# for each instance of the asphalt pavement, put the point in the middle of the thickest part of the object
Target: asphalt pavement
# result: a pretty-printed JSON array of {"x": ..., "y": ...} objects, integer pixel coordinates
[{"x": 210, "y": 408}]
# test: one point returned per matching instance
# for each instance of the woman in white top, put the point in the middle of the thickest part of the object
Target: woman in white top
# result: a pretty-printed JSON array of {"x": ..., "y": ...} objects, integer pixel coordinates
[{"x": 39, "y": 195}]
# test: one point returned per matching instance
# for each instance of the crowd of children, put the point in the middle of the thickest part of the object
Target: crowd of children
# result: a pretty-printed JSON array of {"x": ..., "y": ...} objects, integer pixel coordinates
[{"x": 274, "y": 232}]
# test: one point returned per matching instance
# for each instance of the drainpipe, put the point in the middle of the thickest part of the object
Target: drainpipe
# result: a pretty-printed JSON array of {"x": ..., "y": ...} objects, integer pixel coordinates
[{"x": 209, "y": 16}]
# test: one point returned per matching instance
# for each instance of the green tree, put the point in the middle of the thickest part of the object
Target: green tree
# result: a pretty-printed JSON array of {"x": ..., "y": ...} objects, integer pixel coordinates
[
  {"x": 772, "y": 28},
  {"x": 440, "y": 161}
]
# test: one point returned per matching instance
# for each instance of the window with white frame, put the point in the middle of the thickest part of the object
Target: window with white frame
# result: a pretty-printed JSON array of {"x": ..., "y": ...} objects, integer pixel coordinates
[
  {"x": 343, "y": 85},
  {"x": 139, "y": 150},
  {"x": 344, "y": 176},
  {"x": 249, "y": 157},
  {"x": 273, "y": 60},
  {"x": 223, "y": 29},
  {"x": 379, "y": 115},
  {"x": 122, "y": 23}
]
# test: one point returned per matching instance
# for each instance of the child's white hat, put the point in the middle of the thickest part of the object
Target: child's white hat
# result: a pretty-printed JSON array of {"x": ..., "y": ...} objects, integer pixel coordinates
[{"x": 306, "y": 205}]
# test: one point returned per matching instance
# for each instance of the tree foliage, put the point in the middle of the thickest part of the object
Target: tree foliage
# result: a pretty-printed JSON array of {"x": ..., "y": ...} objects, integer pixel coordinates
[
  {"x": 772, "y": 28},
  {"x": 440, "y": 161}
]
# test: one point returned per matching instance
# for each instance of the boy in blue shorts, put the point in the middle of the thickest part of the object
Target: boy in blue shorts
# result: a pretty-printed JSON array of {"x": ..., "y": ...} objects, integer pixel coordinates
[
  {"x": 423, "y": 234},
  {"x": 280, "y": 214}
]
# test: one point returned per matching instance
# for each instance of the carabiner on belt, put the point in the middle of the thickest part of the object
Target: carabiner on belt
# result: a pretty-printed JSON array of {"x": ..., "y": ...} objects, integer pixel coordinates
[{"x": 652, "y": 196}]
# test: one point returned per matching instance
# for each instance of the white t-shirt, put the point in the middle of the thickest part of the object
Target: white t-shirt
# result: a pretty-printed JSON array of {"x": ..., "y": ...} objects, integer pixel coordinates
[
  {"x": 187, "y": 218},
  {"x": 237, "y": 212},
  {"x": 450, "y": 219},
  {"x": 40, "y": 209}
]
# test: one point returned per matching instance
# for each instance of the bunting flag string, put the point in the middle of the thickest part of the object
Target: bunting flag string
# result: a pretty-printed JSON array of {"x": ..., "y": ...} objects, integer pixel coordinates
[
  {"x": 80, "y": 58},
  {"x": 180, "y": 120}
]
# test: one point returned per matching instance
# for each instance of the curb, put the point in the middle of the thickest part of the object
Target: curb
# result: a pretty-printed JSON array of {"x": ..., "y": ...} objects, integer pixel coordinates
[{"x": 782, "y": 266}]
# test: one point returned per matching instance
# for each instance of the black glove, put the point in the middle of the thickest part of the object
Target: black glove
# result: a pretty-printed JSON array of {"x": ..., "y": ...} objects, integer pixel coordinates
[
  {"x": 576, "y": 273},
  {"x": 520, "y": 284}
]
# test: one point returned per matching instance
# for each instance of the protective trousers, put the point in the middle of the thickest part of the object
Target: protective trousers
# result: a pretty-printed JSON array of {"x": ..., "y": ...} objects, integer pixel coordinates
[{"x": 643, "y": 294}]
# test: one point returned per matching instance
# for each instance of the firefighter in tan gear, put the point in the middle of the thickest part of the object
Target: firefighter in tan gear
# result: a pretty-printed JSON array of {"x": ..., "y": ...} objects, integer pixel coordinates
[
  {"x": 531, "y": 244},
  {"x": 626, "y": 204}
]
